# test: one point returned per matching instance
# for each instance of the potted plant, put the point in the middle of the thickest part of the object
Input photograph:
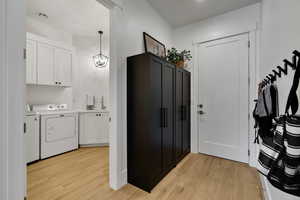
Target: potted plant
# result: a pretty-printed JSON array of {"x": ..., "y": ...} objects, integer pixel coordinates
[{"x": 178, "y": 58}]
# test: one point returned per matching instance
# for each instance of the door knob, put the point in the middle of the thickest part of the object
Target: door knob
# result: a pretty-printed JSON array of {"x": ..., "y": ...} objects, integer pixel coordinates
[
  {"x": 201, "y": 112},
  {"x": 200, "y": 105}
]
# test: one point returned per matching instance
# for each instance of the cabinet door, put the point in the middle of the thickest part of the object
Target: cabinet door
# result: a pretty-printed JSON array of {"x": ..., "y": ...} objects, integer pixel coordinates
[
  {"x": 186, "y": 104},
  {"x": 168, "y": 78},
  {"x": 32, "y": 139},
  {"x": 45, "y": 64},
  {"x": 31, "y": 67},
  {"x": 178, "y": 149},
  {"x": 155, "y": 112},
  {"x": 63, "y": 67},
  {"x": 94, "y": 129}
]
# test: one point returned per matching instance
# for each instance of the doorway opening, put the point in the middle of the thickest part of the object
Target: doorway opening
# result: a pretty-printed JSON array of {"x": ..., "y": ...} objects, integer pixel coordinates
[{"x": 67, "y": 99}]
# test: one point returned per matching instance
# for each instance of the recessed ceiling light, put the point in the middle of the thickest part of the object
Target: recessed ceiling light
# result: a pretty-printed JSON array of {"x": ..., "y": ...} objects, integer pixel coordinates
[
  {"x": 200, "y": 1},
  {"x": 42, "y": 15}
]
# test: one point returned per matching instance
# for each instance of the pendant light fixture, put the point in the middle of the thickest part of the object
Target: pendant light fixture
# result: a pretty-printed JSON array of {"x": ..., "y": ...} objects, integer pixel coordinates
[{"x": 100, "y": 60}]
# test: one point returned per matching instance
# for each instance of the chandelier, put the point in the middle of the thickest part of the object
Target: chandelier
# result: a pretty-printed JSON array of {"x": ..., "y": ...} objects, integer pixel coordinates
[{"x": 100, "y": 60}]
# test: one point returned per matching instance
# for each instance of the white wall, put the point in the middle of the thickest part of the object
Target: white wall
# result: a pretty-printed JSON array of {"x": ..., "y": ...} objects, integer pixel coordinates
[
  {"x": 40, "y": 28},
  {"x": 47, "y": 94},
  {"x": 141, "y": 17},
  {"x": 236, "y": 22},
  {"x": 12, "y": 79},
  {"x": 135, "y": 17},
  {"x": 280, "y": 36},
  {"x": 89, "y": 80}
]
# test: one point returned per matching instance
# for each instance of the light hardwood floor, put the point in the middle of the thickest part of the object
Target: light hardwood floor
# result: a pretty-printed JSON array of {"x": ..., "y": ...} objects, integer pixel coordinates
[{"x": 83, "y": 175}]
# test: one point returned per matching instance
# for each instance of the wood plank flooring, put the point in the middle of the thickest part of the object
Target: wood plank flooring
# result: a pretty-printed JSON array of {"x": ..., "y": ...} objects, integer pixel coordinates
[{"x": 83, "y": 175}]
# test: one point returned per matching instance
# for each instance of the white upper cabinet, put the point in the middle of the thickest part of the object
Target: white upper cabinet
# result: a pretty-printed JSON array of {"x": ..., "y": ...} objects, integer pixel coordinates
[
  {"x": 63, "y": 67},
  {"x": 31, "y": 67},
  {"x": 48, "y": 62},
  {"x": 45, "y": 64}
]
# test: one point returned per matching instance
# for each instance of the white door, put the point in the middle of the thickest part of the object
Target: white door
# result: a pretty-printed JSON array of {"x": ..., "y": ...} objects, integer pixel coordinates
[
  {"x": 223, "y": 98},
  {"x": 63, "y": 67},
  {"x": 45, "y": 63},
  {"x": 31, "y": 68}
]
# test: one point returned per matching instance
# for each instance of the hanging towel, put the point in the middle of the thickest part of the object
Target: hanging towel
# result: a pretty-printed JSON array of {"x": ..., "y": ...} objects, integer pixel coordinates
[{"x": 267, "y": 104}]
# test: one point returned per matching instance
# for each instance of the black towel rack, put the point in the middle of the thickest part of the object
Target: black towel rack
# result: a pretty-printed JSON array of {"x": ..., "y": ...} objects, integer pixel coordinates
[{"x": 270, "y": 78}]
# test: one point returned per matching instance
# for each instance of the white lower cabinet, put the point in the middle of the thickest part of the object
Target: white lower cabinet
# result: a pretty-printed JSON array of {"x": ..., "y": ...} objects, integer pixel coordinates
[
  {"x": 32, "y": 138},
  {"x": 94, "y": 128}
]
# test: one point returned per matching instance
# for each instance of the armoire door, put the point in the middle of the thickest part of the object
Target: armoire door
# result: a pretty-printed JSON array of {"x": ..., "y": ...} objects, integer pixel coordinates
[
  {"x": 186, "y": 98},
  {"x": 156, "y": 115},
  {"x": 168, "y": 77},
  {"x": 178, "y": 151}
]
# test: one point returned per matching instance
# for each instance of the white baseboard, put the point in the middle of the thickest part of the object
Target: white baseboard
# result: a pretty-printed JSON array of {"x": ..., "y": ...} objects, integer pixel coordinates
[
  {"x": 124, "y": 180},
  {"x": 265, "y": 187},
  {"x": 95, "y": 145}
]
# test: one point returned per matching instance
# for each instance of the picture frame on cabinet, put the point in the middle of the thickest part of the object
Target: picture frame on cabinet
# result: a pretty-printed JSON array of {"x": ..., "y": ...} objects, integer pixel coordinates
[{"x": 154, "y": 46}]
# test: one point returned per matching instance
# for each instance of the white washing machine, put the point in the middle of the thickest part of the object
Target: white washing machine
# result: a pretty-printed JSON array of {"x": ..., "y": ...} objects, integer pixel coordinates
[{"x": 59, "y": 130}]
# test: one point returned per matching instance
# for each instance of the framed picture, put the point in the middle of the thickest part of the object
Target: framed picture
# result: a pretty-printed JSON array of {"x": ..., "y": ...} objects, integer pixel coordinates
[{"x": 154, "y": 46}]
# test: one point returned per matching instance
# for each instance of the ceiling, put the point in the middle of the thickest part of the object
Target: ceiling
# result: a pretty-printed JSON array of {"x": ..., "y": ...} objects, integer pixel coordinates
[
  {"x": 183, "y": 12},
  {"x": 78, "y": 17}
]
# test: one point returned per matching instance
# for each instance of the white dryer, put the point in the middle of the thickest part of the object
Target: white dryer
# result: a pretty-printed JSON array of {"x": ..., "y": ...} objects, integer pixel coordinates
[{"x": 59, "y": 132}]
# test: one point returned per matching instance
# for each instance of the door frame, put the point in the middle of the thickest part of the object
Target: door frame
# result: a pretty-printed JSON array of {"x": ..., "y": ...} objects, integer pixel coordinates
[
  {"x": 253, "y": 71},
  {"x": 12, "y": 97}
]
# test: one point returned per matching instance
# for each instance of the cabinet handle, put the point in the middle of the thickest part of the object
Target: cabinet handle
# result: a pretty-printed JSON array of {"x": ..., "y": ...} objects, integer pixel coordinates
[
  {"x": 166, "y": 117},
  {"x": 61, "y": 115},
  {"x": 181, "y": 112},
  {"x": 162, "y": 117},
  {"x": 25, "y": 128},
  {"x": 185, "y": 112}
]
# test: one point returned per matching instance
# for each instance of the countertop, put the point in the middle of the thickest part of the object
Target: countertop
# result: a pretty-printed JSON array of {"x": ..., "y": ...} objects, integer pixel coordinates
[
  {"x": 92, "y": 111},
  {"x": 31, "y": 113}
]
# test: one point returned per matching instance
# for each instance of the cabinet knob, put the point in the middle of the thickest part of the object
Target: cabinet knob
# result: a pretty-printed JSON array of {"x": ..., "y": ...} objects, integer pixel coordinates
[{"x": 201, "y": 112}]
